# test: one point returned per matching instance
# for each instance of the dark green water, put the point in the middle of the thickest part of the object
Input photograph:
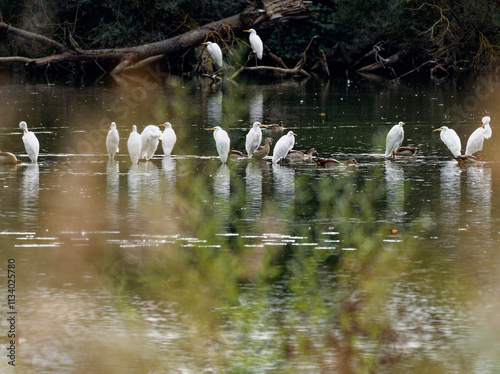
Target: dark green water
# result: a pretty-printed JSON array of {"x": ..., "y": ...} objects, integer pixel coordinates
[{"x": 183, "y": 265}]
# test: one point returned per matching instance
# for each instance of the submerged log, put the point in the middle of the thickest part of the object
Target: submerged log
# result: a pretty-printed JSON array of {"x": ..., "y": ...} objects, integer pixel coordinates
[{"x": 271, "y": 13}]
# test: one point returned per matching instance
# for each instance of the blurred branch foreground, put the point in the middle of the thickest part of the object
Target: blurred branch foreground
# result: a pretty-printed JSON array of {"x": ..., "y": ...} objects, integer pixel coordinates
[{"x": 122, "y": 59}]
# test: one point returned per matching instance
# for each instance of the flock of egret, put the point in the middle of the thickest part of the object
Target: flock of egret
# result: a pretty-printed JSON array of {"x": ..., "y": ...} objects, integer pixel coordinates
[
  {"x": 144, "y": 145},
  {"x": 449, "y": 137}
]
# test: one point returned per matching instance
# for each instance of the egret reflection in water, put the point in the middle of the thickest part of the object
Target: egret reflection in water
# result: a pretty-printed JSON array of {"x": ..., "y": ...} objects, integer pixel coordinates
[
  {"x": 253, "y": 182},
  {"x": 284, "y": 186},
  {"x": 30, "y": 187},
  {"x": 113, "y": 190},
  {"x": 395, "y": 185},
  {"x": 450, "y": 197},
  {"x": 478, "y": 193}
]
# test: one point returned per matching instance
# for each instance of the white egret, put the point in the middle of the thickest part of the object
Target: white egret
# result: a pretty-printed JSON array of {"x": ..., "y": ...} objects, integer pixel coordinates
[
  {"x": 487, "y": 128},
  {"x": 112, "y": 141},
  {"x": 134, "y": 145},
  {"x": 215, "y": 53},
  {"x": 294, "y": 156},
  {"x": 283, "y": 146},
  {"x": 150, "y": 137},
  {"x": 263, "y": 151},
  {"x": 221, "y": 142},
  {"x": 256, "y": 43},
  {"x": 451, "y": 139},
  {"x": 476, "y": 139},
  {"x": 275, "y": 126},
  {"x": 7, "y": 158},
  {"x": 168, "y": 139},
  {"x": 254, "y": 138},
  {"x": 331, "y": 162},
  {"x": 394, "y": 139},
  {"x": 30, "y": 141}
]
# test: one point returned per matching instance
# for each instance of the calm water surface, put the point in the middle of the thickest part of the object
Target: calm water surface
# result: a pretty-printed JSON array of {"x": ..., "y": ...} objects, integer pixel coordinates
[{"x": 182, "y": 264}]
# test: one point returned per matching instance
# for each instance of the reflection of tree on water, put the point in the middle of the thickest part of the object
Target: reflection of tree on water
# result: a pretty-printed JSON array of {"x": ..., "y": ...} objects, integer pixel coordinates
[{"x": 29, "y": 194}]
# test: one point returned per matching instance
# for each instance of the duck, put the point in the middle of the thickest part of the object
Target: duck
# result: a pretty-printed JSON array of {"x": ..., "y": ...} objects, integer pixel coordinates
[
  {"x": 294, "y": 155},
  {"x": 331, "y": 162},
  {"x": 275, "y": 126},
  {"x": 406, "y": 151},
  {"x": 263, "y": 150},
  {"x": 7, "y": 158}
]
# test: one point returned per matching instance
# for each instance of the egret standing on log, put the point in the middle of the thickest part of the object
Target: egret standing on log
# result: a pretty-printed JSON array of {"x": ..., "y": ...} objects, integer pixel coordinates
[
  {"x": 134, "y": 145},
  {"x": 476, "y": 139},
  {"x": 254, "y": 138},
  {"x": 394, "y": 139},
  {"x": 150, "y": 137},
  {"x": 30, "y": 141},
  {"x": 256, "y": 44},
  {"x": 451, "y": 139},
  {"x": 215, "y": 53},
  {"x": 168, "y": 139},
  {"x": 112, "y": 141},
  {"x": 221, "y": 142},
  {"x": 283, "y": 146}
]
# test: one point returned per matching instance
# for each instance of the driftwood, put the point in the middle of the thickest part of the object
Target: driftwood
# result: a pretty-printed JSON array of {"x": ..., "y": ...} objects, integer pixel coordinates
[
  {"x": 271, "y": 13},
  {"x": 383, "y": 63}
]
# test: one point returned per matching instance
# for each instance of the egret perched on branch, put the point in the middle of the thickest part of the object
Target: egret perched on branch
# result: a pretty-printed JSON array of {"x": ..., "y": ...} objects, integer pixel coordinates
[
  {"x": 256, "y": 44},
  {"x": 451, "y": 139},
  {"x": 476, "y": 139},
  {"x": 112, "y": 141},
  {"x": 283, "y": 146},
  {"x": 215, "y": 53},
  {"x": 221, "y": 142},
  {"x": 150, "y": 137},
  {"x": 134, "y": 145},
  {"x": 30, "y": 141},
  {"x": 394, "y": 139},
  {"x": 254, "y": 138},
  {"x": 168, "y": 139}
]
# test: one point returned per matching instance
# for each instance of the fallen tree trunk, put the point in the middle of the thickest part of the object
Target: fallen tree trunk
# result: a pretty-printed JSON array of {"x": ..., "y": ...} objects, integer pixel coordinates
[{"x": 272, "y": 12}]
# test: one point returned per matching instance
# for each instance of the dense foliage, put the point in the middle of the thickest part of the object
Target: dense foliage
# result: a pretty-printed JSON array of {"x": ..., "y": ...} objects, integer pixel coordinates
[{"x": 458, "y": 33}]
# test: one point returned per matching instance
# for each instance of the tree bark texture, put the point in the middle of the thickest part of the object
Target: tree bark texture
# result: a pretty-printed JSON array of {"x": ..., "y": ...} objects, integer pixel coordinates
[{"x": 271, "y": 13}]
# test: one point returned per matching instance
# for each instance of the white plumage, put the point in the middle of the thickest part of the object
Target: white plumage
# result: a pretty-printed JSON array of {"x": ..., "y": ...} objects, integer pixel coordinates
[
  {"x": 256, "y": 43},
  {"x": 476, "y": 139},
  {"x": 222, "y": 142},
  {"x": 451, "y": 139},
  {"x": 168, "y": 139},
  {"x": 134, "y": 145},
  {"x": 283, "y": 146},
  {"x": 150, "y": 138},
  {"x": 215, "y": 53},
  {"x": 394, "y": 139},
  {"x": 253, "y": 138},
  {"x": 112, "y": 141},
  {"x": 31, "y": 143}
]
